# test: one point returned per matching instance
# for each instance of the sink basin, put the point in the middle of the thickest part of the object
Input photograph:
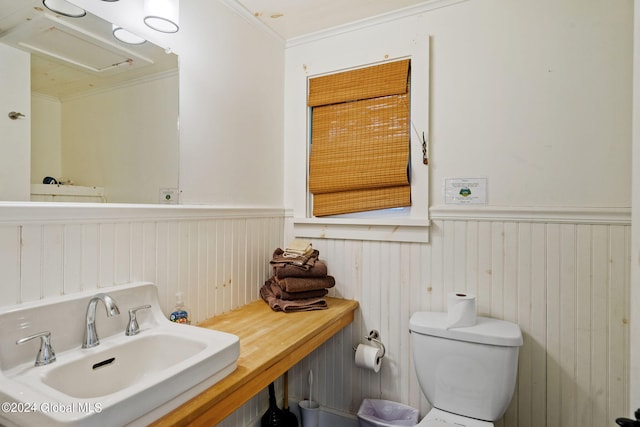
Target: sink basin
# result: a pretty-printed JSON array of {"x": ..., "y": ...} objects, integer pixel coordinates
[
  {"x": 126, "y": 380},
  {"x": 118, "y": 367}
]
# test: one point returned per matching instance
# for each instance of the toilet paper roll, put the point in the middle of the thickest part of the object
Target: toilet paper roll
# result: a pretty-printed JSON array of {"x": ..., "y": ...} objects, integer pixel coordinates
[
  {"x": 369, "y": 357},
  {"x": 461, "y": 310}
]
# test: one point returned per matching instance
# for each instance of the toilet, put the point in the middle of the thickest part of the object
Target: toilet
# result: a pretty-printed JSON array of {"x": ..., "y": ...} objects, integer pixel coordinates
[{"x": 468, "y": 374}]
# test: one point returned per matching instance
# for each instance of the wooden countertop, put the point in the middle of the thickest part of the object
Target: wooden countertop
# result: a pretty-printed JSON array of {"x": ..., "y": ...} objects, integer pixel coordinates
[{"x": 270, "y": 344}]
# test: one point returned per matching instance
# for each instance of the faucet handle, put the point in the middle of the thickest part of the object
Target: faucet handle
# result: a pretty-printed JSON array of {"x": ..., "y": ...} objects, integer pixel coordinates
[
  {"x": 46, "y": 354},
  {"x": 132, "y": 327}
]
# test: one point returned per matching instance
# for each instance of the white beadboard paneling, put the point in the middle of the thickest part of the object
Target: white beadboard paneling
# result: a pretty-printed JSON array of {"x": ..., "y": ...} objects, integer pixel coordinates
[
  {"x": 72, "y": 269},
  {"x": 225, "y": 258},
  {"x": 199, "y": 281},
  {"x": 52, "y": 273},
  {"x": 533, "y": 385},
  {"x": 10, "y": 264},
  {"x": 217, "y": 257},
  {"x": 211, "y": 270},
  {"x": 89, "y": 262},
  {"x": 567, "y": 324},
  {"x": 584, "y": 320},
  {"x": 565, "y": 283},
  {"x": 137, "y": 250},
  {"x": 619, "y": 291},
  {"x": 122, "y": 252},
  {"x": 31, "y": 265},
  {"x": 600, "y": 350},
  {"x": 107, "y": 254}
]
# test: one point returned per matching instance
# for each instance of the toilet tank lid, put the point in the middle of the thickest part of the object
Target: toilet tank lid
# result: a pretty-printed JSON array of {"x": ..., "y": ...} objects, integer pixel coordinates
[{"x": 485, "y": 331}]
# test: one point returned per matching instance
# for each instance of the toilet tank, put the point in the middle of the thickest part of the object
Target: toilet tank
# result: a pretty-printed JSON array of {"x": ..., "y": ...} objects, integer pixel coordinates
[{"x": 466, "y": 371}]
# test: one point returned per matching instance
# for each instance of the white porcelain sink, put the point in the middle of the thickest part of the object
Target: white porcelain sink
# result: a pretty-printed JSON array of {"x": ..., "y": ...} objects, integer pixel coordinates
[
  {"x": 126, "y": 380},
  {"x": 118, "y": 366}
]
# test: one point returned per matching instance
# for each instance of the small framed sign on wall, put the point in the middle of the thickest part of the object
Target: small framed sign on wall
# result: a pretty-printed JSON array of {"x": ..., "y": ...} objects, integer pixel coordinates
[{"x": 465, "y": 191}]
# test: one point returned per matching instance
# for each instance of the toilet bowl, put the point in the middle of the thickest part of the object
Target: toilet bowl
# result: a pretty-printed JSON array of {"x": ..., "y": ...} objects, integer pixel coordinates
[{"x": 467, "y": 374}]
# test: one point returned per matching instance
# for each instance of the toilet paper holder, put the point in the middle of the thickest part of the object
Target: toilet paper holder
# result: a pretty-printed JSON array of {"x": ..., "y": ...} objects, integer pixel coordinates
[{"x": 374, "y": 337}]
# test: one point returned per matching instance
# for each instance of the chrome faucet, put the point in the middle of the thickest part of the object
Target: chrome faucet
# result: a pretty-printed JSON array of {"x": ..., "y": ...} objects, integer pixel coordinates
[
  {"x": 46, "y": 354},
  {"x": 90, "y": 335},
  {"x": 133, "y": 328}
]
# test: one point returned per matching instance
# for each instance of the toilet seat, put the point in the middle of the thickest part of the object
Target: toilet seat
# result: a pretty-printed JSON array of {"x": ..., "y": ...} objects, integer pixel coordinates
[{"x": 439, "y": 418}]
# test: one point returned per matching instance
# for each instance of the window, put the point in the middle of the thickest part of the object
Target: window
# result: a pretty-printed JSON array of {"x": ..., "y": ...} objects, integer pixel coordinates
[
  {"x": 309, "y": 63},
  {"x": 360, "y": 139}
]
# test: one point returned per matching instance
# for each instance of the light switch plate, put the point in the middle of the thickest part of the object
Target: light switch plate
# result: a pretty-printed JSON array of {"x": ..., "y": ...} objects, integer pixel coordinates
[{"x": 169, "y": 196}]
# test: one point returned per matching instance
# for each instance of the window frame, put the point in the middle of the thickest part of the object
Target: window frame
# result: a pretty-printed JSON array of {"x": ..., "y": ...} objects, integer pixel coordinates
[{"x": 402, "y": 225}]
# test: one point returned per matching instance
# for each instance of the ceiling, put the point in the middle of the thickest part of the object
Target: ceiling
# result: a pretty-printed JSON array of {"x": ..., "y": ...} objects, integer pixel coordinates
[
  {"x": 75, "y": 55},
  {"x": 294, "y": 18},
  {"x": 27, "y": 20}
]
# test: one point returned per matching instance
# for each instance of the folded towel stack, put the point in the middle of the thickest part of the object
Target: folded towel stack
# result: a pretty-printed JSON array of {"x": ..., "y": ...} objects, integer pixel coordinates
[
  {"x": 299, "y": 281},
  {"x": 299, "y": 247}
]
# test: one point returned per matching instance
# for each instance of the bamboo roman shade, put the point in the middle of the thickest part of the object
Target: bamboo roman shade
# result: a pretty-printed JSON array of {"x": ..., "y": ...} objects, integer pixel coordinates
[{"x": 360, "y": 140}]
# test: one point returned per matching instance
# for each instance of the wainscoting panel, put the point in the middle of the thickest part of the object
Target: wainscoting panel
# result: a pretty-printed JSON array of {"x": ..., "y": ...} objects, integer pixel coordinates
[
  {"x": 562, "y": 276},
  {"x": 565, "y": 283},
  {"x": 218, "y": 263},
  {"x": 218, "y": 258}
]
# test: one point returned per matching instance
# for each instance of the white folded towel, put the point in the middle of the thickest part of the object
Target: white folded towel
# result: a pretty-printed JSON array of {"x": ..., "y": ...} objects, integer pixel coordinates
[{"x": 299, "y": 247}]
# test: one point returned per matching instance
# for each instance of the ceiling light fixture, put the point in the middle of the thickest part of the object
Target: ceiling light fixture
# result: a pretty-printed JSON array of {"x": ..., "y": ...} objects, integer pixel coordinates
[
  {"x": 126, "y": 36},
  {"x": 162, "y": 15},
  {"x": 64, "y": 8}
]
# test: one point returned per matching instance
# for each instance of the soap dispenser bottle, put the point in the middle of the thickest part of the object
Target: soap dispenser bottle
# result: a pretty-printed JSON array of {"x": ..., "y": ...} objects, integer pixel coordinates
[{"x": 180, "y": 313}]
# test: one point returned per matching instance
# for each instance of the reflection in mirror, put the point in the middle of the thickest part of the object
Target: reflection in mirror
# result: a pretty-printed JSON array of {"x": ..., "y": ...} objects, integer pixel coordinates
[{"x": 104, "y": 114}]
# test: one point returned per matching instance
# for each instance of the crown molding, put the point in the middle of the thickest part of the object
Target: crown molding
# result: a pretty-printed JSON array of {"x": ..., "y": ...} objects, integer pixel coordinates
[
  {"x": 426, "y": 6},
  {"x": 244, "y": 13}
]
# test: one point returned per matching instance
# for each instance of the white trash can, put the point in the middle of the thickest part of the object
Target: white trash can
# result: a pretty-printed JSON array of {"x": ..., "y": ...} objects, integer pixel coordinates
[{"x": 385, "y": 413}]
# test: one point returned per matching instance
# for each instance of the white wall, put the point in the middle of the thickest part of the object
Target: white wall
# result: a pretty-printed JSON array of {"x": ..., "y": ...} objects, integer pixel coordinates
[
  {"x": 231, "y": 153},
  {"x": 231, "y": 107},
  {"x": 231, "y": 91},
  {"x": 46, "y": 136},
  {"x": 124, "y": 139},
  {"x": 533, "y": 95},
  {"x": 14, "y": 134}
]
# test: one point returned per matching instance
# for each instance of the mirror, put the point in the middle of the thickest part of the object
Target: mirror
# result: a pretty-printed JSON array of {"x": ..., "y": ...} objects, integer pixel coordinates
[{"x": 104, "y": 114}]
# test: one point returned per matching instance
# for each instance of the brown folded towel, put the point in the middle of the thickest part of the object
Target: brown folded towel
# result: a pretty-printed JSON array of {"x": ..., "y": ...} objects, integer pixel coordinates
[
  {"x": 279, "y": 258},
  {"x": 289, "y": 306},
  {"x": 318, "y": 269},
  {"x": 299, "y": 284},
  {"x": 283, "y": 294},
  {"x": 303, "y": 305}
]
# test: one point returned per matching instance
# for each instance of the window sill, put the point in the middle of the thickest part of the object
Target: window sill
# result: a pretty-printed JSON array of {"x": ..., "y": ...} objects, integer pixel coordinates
[{"x": 389, "y": 230}]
